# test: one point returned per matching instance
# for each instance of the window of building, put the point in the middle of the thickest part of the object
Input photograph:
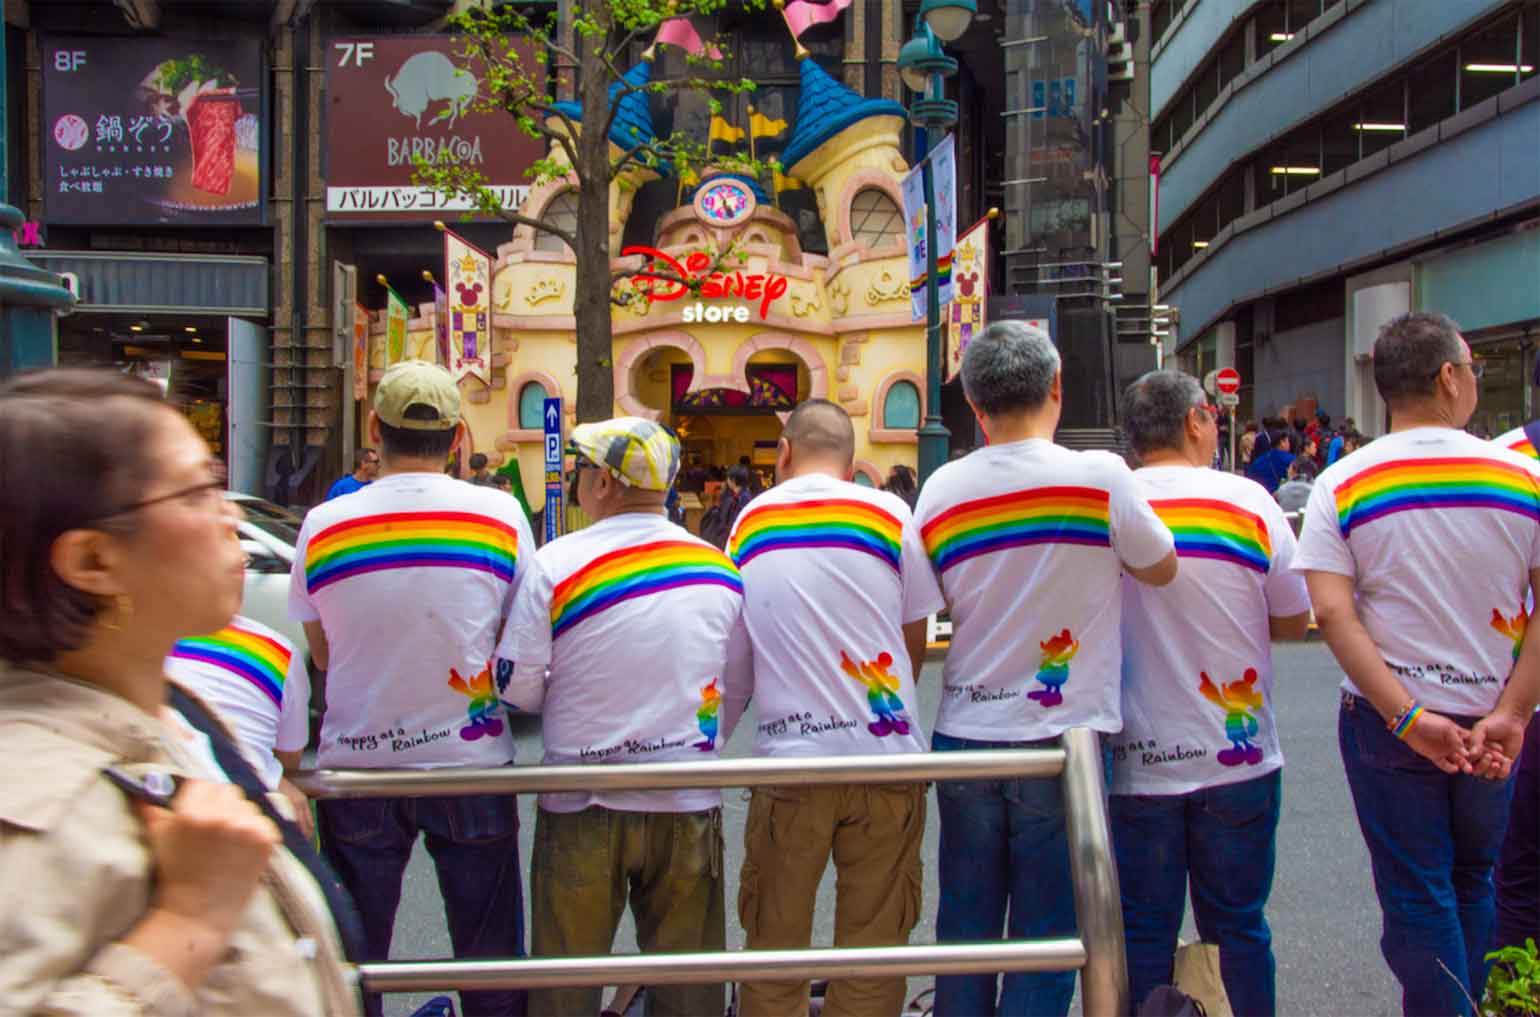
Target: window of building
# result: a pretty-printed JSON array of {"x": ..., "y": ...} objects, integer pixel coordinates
[
  {"x": 561, "y": 212},
  {"x": 1381, "y": 118},
  {"x": 901, "y": 406},
  {"x": 1490, "y": 62},
  {"x": 1432, "y": 91},
  {"x": 532, "y": 399},
  {"x": 1161, "y": 13},
  {"x": 1529, "y": 41},
  {"x": 874, "y": 218},
  {"x": 861, "y": 479},
  {"x": 1310, "y": 304},
  {"x": 1272, "y": 26},
  {"x": 1232, "y": 58},
  {"x": 1339, "y": 140},
  {"x": 1231, "y": 198}
]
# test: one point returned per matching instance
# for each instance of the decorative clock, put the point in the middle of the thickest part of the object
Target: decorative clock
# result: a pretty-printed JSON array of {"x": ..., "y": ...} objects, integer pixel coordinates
[{"x": 724, "y": 201}]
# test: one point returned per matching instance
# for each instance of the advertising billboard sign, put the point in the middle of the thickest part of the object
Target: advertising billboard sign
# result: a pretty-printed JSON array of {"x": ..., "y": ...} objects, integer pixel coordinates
[
  {"x": 153, "y": 130},
  {"x": 391, "y": 100}
]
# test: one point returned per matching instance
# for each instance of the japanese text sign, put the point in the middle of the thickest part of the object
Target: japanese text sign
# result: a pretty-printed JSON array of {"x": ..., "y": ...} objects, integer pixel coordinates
[{"x": 153, "y": 130}]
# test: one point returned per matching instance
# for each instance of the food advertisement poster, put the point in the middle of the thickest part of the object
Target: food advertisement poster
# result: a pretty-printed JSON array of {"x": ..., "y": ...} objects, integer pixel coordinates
[
  {"x": 153, "y": 130},
  {"x": 392, "y": 100}
]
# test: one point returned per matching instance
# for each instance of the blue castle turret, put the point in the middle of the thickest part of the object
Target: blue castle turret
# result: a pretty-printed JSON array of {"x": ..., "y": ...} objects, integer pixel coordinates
[
  {"x": 633, "y": 121},
  {"x": 825, "y": 108}
]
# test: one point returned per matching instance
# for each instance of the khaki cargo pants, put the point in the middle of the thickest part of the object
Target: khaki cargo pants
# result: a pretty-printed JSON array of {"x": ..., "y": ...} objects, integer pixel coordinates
[
  {"x": 586, "y": 865},
  {"x": 874, "y": 834}
]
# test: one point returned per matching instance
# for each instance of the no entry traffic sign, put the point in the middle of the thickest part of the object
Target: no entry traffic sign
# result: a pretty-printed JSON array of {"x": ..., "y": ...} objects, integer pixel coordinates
[{"x": 1228, "y": 380}]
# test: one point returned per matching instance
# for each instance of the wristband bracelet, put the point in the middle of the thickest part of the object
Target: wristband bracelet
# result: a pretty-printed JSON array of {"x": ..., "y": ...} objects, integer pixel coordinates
[{"x": 1403, "y": 724}]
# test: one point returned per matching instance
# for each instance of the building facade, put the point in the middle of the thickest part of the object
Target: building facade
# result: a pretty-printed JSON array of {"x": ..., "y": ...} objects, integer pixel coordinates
[
  {"x": 1328, "y": 164},
  {"x": 226, "y": 257}
]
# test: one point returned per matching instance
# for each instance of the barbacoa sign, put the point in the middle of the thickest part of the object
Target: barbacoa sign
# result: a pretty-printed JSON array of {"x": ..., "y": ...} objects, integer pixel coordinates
[{"x": 392, "y": 100}]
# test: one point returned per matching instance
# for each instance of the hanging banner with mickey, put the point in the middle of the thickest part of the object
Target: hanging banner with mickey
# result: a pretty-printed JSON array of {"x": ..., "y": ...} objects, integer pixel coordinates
[{"x": 468, "y": 275}]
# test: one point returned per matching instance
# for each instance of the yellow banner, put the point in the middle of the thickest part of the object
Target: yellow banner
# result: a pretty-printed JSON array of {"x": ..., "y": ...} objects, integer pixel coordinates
[
  {"x": 764, "y": 127},
  {"x": 721, "y": 130}
]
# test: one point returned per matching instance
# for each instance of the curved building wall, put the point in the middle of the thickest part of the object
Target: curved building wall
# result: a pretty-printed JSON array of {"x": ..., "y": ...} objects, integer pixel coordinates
[
  {"x": 1349, "y": 47},
  {"x": 1439, "y": 181}
]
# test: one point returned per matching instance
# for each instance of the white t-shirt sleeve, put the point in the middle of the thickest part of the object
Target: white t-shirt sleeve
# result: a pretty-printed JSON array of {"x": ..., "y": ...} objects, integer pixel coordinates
[
  {"x": 527, "y": 561},
  {"x": 739, "y": 679},
  {"x": 301, "y": 607},
  {"x": 524, "y": 651},
  {"x": 294, "y": 715},
  {"x": 1284, "y": 588},
  {"x": 1138, "y": 536},
  {"x": 1322, "y": 548},
  {"x": 922, "y": 594}
]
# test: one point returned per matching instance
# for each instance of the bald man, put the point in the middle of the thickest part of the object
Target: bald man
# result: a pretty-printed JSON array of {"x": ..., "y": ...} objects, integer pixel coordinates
[{"x": 837, "y": 588}]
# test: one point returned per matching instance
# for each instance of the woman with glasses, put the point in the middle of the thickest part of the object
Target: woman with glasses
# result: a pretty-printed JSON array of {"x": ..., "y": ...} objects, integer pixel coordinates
[{"x": 139, "y": 875}]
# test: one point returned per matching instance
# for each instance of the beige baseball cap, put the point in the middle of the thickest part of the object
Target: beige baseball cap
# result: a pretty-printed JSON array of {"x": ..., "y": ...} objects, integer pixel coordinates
[{"x": 418, "y": 383}]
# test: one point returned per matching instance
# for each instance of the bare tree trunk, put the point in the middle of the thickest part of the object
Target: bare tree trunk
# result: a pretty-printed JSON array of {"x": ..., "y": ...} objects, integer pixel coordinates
[{"x": 591, "y": 303}]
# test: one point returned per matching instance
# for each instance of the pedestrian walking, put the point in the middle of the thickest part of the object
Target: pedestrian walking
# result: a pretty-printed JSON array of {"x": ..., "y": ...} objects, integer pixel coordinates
[
  {"x": 1271, "y": 467},
  {"x": 1293, "y": 493},
  {"x": 260, "y": 686},
  {"x": 1030, "y": 541},
  {"x": 403, "y": 588},
  {"x": 627, "y": 639},
  {"x": 480, "y": 475},
  {"x": 837, "y": 593},
  {"x": 1419, "y": 551},
  {"x": 1196, "y": 771},
  {"x": 366, "y": 466},
  {"x": 120, "y": 898}
]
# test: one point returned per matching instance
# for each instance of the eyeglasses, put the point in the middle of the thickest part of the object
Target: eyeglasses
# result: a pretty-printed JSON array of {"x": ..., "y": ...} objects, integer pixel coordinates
[
  {"x": 1477, "y": 368},
  {"x": 1209, "y": 408},
  {"x": 207, "y": 496}
]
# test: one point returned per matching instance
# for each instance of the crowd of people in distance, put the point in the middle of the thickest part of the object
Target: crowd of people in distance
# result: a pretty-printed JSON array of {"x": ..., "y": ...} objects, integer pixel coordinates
[{"x": 149, "y": 810}]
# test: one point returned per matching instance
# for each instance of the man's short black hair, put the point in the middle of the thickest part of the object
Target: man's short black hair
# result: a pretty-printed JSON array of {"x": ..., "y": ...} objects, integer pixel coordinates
[
  {"x": 412, "y": 443},
  {"x": 1409, "y": 353},
  {"x": 361, "y": 456},
  {"x": 478, "y": 461}
]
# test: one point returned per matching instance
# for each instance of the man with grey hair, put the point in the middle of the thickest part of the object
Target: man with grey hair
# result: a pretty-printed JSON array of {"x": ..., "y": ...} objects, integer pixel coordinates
[
  {"x": 1196, "y": 772},
  {"x": 836, "y": 592},
  {"x": 1419, "y": 551},
  {"x": 1030, "y": 541}
]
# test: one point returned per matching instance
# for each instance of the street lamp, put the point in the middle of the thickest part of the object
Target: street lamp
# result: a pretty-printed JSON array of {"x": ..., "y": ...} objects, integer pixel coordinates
[{"x": 925, "y": 68}]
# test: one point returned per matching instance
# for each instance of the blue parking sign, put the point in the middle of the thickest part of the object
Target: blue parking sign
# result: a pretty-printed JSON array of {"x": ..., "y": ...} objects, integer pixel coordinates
[{"x": 551, "y": 419}]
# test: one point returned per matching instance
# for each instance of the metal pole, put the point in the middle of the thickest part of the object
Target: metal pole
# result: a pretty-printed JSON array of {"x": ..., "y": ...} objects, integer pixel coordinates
[
  {"x": 995, "y": 764},
  {"x": 1098, "y": 905},
  {"x": 1234, "y": 466},
  {"x": 934, "y": 438},
  {"x": 739, "y": 965}
]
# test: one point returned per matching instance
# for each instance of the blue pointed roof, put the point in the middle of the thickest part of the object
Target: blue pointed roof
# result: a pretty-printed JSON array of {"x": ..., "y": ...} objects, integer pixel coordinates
[
  {"x": 825, "y": 108},
  {"x": 634, "y": 111}
]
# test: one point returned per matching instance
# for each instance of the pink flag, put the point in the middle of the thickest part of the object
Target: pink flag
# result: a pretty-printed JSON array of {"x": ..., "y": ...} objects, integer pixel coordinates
[
  {"x": 680, "y": 32},
  {"x": 800, "y": 14}
]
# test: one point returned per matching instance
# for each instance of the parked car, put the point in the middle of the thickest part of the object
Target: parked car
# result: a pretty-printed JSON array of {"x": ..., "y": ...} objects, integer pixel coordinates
[{"x": 268, "y": 535}]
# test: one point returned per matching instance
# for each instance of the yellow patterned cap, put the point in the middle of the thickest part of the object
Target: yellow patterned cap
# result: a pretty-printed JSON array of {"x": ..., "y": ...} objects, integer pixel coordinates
[{"x": 639, "y": 453}]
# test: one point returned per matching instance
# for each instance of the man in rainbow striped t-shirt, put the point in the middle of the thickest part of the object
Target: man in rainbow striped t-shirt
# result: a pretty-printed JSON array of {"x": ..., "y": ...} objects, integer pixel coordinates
[
  {"x": 1030, "y": 541},
  {"x": 627, "y": 641},
  {"x": 1420, "y": 550}
]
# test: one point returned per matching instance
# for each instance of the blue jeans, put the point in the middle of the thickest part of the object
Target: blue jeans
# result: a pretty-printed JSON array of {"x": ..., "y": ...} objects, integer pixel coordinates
[
  {"x": 1222, "y": 840},
  {"x": 474, "y": 843},
  {"x": 1433, "y": 839},
  {"x": 1003, "y": 848}
]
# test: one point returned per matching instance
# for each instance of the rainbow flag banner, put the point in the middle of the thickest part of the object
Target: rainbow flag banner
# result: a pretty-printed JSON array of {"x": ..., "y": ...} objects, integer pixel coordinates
[
  {"x": 259, "y": 659},
  {"x": 400, "y": 540},
  {"x": 1043, "y": 515},
  {"x": 1404, "y": 485},
  {"x": 640, "y": 571},
  {"x": 943, "y": 162},
  {"x": 823, "y": 523},
  {"x": 1217, "y": 530}
]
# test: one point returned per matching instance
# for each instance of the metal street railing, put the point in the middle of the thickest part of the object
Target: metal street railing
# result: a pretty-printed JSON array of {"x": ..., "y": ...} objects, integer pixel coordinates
[{"x": 1097, "y": 952}]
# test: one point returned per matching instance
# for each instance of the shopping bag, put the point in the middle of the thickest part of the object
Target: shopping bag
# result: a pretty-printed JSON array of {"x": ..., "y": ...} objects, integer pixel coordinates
[{"x": 1197, "y": 974}]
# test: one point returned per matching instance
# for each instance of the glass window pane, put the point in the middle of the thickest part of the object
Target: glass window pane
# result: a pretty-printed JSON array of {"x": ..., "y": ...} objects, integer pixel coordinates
[
  {"x": 1301, "y": 13},
  {"x": 1529, "y": 20},
  {"x": 874, "y": 218},
  {"x": 901, "y": 406},
  {"x": 1431, "y": 91},
  {"x": 1160, "y": 16},
  {"x": 532, "y": 406},
  {"x": 1232, "y": 197},
  {"x": 1339, "y": 141},
  {"x": 1205, "y": 88},
  {"x": 1272, "y": 26},
  {"x": 1232, "y": 59},
  {"x": 1487, "y": 62},
  {"x": 862, "y": 479},
  {"x": 561, "y": 213},
  {"x": 1382, "y": 118},
  {"x": 1181, "y": 116}
]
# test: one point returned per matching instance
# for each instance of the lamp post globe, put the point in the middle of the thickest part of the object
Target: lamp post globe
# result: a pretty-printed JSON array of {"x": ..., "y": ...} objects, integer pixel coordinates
[{"x": 949, "y": 19}]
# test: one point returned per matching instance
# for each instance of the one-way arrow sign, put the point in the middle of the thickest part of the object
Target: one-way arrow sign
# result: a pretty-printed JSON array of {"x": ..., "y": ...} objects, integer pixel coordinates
[{"x": 552, "y": 414}]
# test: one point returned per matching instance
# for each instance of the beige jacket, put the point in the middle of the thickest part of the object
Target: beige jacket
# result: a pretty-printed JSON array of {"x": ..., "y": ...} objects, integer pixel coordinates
[{"x": 75, "y": 876}]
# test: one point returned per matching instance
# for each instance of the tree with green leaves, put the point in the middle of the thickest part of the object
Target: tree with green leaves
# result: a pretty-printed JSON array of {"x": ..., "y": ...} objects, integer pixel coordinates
[{"x": 583, "y": 143}]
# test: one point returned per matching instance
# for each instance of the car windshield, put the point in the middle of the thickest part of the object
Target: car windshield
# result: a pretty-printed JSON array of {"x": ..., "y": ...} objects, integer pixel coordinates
[{"x": 271, "y": 519}]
